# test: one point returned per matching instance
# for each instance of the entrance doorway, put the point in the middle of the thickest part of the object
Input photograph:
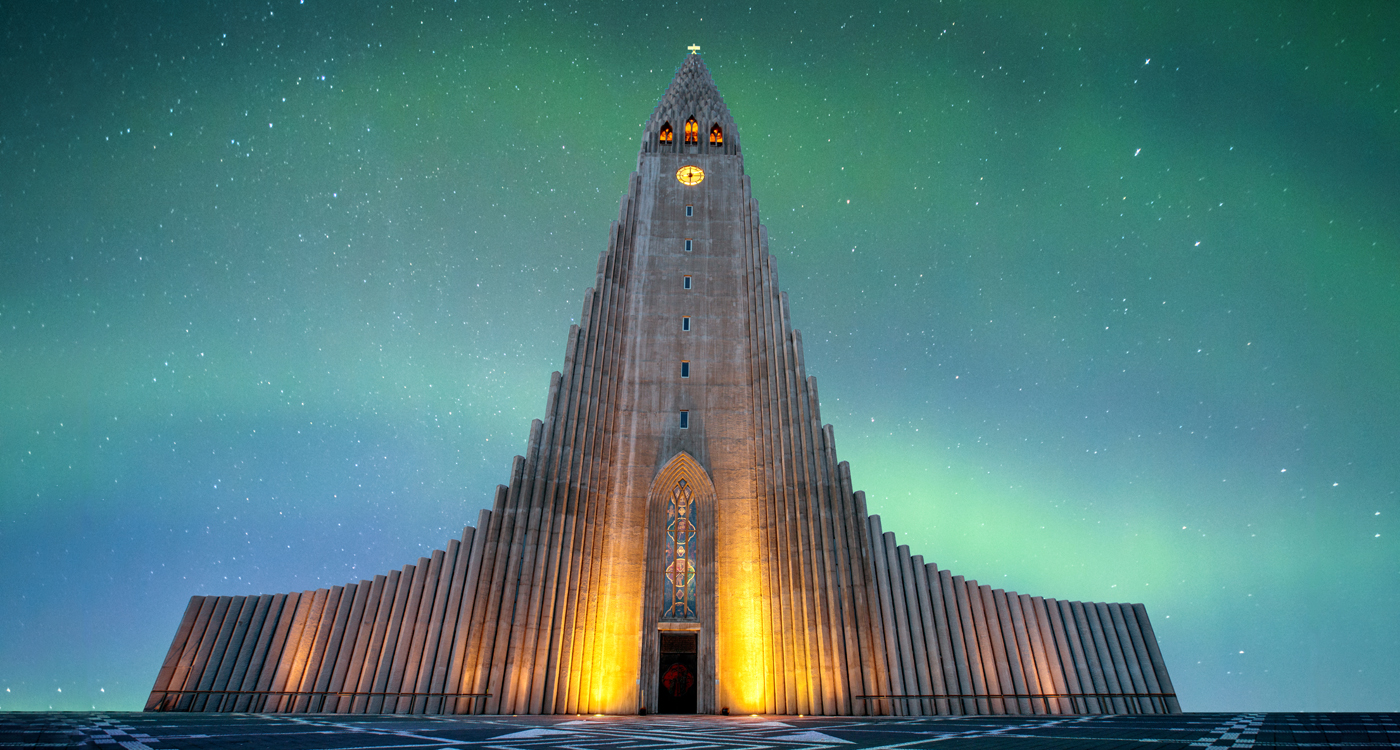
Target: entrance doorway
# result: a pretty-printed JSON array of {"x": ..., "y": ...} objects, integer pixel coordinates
[{"x": 677, "y": 673}]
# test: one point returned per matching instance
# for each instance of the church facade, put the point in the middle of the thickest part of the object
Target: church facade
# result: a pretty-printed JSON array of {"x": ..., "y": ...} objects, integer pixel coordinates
[{"x": 679, "y": 536}]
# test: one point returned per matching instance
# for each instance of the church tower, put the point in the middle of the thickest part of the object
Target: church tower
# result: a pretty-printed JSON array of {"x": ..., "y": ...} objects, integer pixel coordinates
[{"x": 679, "y": 536}]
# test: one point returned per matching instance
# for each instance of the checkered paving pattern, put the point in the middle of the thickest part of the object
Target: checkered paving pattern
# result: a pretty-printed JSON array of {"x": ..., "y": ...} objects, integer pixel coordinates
[{"x": 170, "y": 731}]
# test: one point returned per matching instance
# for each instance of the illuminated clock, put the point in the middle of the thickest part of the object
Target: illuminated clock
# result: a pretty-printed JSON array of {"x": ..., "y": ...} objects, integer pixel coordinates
[{"x": 690, "y": 175}]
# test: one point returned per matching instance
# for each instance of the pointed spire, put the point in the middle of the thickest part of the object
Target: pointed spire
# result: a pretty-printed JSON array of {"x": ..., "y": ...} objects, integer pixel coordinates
[{"x": 692, "y": 95}]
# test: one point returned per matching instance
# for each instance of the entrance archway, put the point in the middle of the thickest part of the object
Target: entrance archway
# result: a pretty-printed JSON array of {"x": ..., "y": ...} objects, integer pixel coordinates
[{"x": 678, "y": 636}]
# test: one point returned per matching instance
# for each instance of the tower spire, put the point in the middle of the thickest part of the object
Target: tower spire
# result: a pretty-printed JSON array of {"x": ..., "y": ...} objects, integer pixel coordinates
[{"x": 692, "y": 95}]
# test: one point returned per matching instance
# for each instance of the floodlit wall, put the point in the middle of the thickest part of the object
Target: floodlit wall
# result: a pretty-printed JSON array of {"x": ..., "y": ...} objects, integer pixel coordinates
[{"x": 550, "y": 604}]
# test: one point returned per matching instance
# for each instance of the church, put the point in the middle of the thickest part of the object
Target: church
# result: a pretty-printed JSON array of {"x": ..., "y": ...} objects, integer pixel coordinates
[{"x": 679, "y": 537}]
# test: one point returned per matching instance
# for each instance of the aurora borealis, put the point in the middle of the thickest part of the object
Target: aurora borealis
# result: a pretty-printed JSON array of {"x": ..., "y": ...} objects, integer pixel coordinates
[{"x": 1102, "y": 300}]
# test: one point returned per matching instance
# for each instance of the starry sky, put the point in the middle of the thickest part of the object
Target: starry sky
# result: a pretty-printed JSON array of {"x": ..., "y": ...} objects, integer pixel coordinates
[{"x": 1102, "y": 299}]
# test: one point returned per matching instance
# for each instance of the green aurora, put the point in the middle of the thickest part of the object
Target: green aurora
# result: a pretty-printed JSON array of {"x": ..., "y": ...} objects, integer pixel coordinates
[{"x": 1102, "y": 299}]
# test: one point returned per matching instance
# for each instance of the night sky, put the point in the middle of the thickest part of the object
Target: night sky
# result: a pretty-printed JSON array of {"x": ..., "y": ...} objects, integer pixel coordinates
[{"x": 1102, "y": 299}]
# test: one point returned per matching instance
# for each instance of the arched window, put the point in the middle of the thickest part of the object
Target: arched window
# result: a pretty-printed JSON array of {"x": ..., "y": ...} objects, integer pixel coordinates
[
  {"x": 678, "y": 599},
  {"x": 716, "y": 136},
  {"x": 666, "y": 135},
  {"x": 692, "y": 131}
]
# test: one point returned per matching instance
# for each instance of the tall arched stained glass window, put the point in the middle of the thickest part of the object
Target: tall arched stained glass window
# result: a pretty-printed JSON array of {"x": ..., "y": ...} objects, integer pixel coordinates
[
  {"x": 692, "y": 131},
  {"x": 716, "y": 136},
  {"x": 678, "y": 600}
]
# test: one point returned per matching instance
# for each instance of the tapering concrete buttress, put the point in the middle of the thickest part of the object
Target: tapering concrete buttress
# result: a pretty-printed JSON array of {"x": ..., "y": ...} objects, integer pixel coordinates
[{"x": 679, "y": 534}]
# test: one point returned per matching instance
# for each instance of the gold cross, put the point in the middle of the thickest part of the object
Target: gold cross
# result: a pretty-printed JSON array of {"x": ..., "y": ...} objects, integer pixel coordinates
[{"x": 693, "y": 48}]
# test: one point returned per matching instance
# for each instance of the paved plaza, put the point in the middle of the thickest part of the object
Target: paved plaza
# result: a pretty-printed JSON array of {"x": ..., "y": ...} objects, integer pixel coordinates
[{"x": 173, "y": 731}]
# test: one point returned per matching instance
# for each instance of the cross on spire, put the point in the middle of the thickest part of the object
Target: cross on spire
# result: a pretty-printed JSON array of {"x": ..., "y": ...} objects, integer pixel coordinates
[{"x": 694, "y": 48}]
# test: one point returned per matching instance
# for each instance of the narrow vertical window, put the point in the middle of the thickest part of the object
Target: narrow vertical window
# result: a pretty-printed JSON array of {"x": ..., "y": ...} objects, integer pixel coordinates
[
  {"x": 678, "y": 601},
  {"x": 716, "y": 136},
  {"x": 685, "y": 419},
  {"x": 665, "y": 136},
  {"x": 687, "y": 246},
  {"x": 685, "y": 323},
  {"x": 685, "y": 368},
  {"x": 692, "y": 131},
  {"x": 690, "y": 210},
  {"x": 685, "y": 282}
]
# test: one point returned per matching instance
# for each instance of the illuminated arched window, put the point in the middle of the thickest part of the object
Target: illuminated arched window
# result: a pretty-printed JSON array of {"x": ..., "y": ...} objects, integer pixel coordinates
[
  {"x": 692, "y": 131},
  {"x": 666, "y": 135},
  {"x": 678, "y": 600},
  {"x": 716, "y": 136}
]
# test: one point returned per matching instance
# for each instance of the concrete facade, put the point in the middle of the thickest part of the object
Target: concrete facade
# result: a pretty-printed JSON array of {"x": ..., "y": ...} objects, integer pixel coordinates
[{"x": 683, "y": 372}]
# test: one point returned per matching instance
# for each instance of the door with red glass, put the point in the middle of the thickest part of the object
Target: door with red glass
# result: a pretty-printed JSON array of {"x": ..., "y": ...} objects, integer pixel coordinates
[{"x": 676, "y": 692}]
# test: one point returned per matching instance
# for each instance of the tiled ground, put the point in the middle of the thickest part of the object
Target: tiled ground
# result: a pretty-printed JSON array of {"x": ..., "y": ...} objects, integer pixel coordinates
[{"x": 139, "y": 731}]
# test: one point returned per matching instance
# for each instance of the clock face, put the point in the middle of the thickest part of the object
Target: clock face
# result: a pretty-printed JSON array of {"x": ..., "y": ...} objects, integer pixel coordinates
[{"x": 690, "y": 175}]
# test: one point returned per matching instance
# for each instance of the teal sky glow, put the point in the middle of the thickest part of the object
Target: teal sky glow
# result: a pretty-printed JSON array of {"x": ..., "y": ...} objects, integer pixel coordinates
[{"x": 1102, "y": 300}]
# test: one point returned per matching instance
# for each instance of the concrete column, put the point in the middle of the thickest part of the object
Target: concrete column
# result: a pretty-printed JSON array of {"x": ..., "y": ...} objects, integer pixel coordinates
[
  {"x": 908, "y": 669},
  {"x": 201, "y": 656},
  {"x": 1107, "y": 661},
  {"x": 987, "y": 661},
  {"x": 424, "y": 575},
  {"x": 934, "y": 654},
  {"x": 505, "y": 595},
  {"x": 213, "y": 666},
  {"x": 1097, "y": 681},
  {"x": 484, "y": 617},
  {"x": 846, "y": 582},
  {"x": 1013, "y": 659},
  {"x": 392, "y": 633},
  {"x": 228, "y": 662},
  {"x": 261, "y": 661},
  {"x": 834, "y": 674},
  {"x": 158, "y": 698},
  {"x": 525, "y": 624},
  {"x": 294, "y": 650},
  {"x": 359, "y": 648},
  {"x": 944, "y": 638},
  {"x": 244, "y": 658},
  {"x": 883, "y": 589},
  {"x": 1155, "y": 656},
  {"x": 959, "y": 638},
  {"x": 457, "y": 666},
  {"x": 915, "y": 629},
  {"x": 534, "y": 644},
  {"x": 415, "y": 637},
  {"x": 447, "y": 588},
  {"x": 1130, "y": 658},
  {"x": 1080, "y": 659},
  {"x": 1067, "y": 659},
  {"x": 447, "y": 634},
  {"x": 311, "y": 647},
  {"x": 971, "y": 641},
  {"x": 1047, "y": 665},
  {"x": 272, "y": 663},
  {"x": 340, "y": 626},
  {"x": 1144, "y": 660}
]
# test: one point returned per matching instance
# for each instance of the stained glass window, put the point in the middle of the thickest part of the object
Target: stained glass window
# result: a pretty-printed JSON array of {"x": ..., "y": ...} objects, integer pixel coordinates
[
  {"x": 716, "y": 136},
  {"x": 665, "y": 136},
  {"x": 692, "y": 131},
  {"x": 678, "y": 600}
]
